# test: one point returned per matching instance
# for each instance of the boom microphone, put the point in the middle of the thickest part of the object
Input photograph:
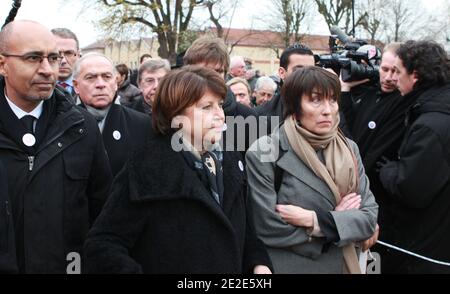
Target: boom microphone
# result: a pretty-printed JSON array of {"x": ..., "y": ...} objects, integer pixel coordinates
[{"x": 335, "y": 30}]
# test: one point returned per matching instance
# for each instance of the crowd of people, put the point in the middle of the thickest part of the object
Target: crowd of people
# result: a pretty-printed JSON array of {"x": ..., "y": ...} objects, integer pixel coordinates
[{"x": 212, "y": 168}]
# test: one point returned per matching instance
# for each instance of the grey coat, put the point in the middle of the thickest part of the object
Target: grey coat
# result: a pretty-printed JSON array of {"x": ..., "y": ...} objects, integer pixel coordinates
[{"x": 291, "y": 249}]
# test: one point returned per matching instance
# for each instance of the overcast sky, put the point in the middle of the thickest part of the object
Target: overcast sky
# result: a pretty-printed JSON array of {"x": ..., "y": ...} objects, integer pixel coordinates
[{"x": 56, "y": 13}]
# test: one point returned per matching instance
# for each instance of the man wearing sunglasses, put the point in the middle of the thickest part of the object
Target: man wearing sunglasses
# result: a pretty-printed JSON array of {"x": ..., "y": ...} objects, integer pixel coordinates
[
  {"x": 58, "y": 174},
  {"x": 69, "y": 49}
]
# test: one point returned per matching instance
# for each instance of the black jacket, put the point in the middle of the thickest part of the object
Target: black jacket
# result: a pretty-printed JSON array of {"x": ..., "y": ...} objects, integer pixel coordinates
[
  {"x": 420, "y": 182},
  {"x": 236, "y": 137},
  {"x": 141, "y": 106},
  {"x": 376, "y": 122},
  {"x": 57, "y": 189},
  {"x": 128, "y": 93},
  {"x": 160, "y": 218},
  {"x": 8, "y": 261},
  {"x": 124, "y": 131},
  {"x": 270, "y": 114}
]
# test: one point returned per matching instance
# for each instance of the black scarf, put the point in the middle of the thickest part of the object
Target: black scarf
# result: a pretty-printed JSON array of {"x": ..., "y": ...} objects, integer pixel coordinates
[{"x": 209, "y": 170}]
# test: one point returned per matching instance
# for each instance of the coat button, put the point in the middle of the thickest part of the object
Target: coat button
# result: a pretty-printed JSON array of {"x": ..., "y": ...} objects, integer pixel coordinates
[
  {"x": 81, "y": 131},
  {"x": 60, "y": 145}
]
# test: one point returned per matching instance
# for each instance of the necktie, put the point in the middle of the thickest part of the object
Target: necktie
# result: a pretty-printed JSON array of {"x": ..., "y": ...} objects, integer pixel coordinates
[
  {"x": 28, "y": 121},
  {"x": 64, "y": 85}
]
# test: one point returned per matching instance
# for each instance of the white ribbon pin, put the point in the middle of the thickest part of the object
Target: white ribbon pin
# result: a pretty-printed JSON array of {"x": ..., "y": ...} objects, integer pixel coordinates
[
  {"x": 117, "y": 135},
  {"x": 241, "y": 166},
  {"x": 29, "y": 140}
]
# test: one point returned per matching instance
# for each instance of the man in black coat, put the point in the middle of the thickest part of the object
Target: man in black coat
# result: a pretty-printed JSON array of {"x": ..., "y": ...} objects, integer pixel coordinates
[
  {"x": 419, "y": 179},
  {"x": 149, "y": 75},
  {"x": 123, "y": 129},
  {"x": 375, "y": 117},
  {"x": 57, "y": 171},
  {"x": 69, "y": 48},
  {"x": 241, "y": 120},
  {"x": 293, "y": 58}
]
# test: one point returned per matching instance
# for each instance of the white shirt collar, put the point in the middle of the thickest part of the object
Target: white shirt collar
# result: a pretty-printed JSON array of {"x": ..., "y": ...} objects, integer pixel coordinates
[{"x": 20, "y": 113}]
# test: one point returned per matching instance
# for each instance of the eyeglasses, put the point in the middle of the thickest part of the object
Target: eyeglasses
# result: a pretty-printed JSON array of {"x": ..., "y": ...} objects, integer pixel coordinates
[
  {"x": 54, "y": 59},
  {"x": 68, "y": 53}
]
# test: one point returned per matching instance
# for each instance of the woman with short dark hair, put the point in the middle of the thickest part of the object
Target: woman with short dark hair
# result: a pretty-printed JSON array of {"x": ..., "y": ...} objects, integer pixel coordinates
[
  {"x": 179, "y": 205},
  {"x": 310, "y": 196}
]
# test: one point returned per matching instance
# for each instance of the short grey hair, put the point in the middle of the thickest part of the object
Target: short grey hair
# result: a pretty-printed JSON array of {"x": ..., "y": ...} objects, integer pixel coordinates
[
  {"x": 77, "y": 65},
  {"x": 236, "y": 60},
  {"x": 152, "y": 66},
  {"x": 66, "y": 34},
  {"x": 262, "y": 81}
]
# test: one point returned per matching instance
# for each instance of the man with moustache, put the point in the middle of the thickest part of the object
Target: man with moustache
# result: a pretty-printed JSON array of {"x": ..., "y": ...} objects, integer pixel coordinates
[{"x": 57, "y": 170}]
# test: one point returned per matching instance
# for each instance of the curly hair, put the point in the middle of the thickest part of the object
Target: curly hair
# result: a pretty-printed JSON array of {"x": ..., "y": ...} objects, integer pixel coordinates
[{"x": 428, "y": 59}]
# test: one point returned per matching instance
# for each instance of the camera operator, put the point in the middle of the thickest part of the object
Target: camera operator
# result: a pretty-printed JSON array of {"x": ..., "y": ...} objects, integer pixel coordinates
[
  {"x": 375, "y": 115},
  {"x": 419, "y": 179}
]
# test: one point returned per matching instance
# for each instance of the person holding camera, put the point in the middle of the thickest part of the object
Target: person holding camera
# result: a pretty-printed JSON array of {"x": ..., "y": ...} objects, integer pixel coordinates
[
  {"x": 418, "y": 180},
  {"x": 375, "y": 114}
]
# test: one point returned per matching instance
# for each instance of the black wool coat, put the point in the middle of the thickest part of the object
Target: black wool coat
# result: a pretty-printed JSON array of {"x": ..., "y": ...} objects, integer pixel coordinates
[
  {"x": 161, "y": 219},
  {"x": 125, "y": 130},
  {"x": 58, "y": 190},
  {"x": 419, "y": 182},
  {"x": 8, "y": 262}
]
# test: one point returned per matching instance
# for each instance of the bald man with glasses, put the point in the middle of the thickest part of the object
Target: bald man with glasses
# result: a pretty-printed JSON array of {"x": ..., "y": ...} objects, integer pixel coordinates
[{"x": 58, "y": 174}]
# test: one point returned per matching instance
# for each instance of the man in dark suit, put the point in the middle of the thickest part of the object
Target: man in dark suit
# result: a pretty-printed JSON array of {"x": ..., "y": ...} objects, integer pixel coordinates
[
  {"x": 242, "y": 127},
  {"x": 57, "y": 171},
  {"x": 69, "y": 48},
  {"x": 123, "y": 129},
  {"x": 294, "y": 57},
  {"x": 149, "y": 75}
]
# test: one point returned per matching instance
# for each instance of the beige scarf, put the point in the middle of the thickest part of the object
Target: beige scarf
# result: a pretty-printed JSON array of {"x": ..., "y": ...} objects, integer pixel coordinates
[{"x": 340, "y": 171}]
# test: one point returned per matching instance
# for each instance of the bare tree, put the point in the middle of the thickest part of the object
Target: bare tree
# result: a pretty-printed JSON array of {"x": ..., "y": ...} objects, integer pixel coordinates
[
  {"x": 169, "y": 20},
  {"x": 219, "y": 10},
  {"x": 401, "y": 19},
  {"x": 336, "y": 12},
  {"x": 373, "y": 15},
  {"x": 287, "y": 18}
]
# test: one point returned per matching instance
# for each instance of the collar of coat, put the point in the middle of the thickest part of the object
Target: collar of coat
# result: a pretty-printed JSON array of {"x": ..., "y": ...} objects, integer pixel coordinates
[{"x": 158, "y": 173}]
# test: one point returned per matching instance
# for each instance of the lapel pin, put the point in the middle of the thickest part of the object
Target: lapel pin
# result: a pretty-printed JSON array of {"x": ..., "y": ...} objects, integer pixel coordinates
[
  {"x": 241, "y": 166},
  {"x": 117, "y": 135},
  {"x": 372, "y": 125},
  {"x": 29, "y": 140}
]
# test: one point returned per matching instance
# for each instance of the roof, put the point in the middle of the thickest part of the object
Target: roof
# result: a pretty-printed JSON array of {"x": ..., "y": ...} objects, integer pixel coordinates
[{"x": 265, "y": 38}]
